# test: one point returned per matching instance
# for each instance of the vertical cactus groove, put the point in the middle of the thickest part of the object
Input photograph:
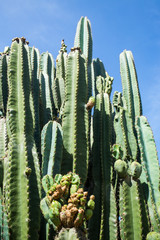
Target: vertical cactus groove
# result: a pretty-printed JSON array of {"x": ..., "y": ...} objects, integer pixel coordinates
[
  {"x": 35, "y": 58},
  {"x": 47, "y": 76},
  {"x": 131, "y": 216},
  {"x": 59, "y": 90},
  {"x": 97, "y": 69},
  {"x": 83, "y": 38},
  {"x": 75, "y": 118},
  {"x": 23, "y": 176},
  {"x": 150, "y": 177},
  {"x": 3, "y": 83},
  {"x": 130, "y": 84},
  {"x": 52, "y": 143},
  {"x": 103, "y": 224},
  {"x": 4, "y": 231}
]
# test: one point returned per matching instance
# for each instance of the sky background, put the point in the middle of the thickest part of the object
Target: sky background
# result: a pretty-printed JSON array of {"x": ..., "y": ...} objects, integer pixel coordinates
[{"x": 116, "y": 25}]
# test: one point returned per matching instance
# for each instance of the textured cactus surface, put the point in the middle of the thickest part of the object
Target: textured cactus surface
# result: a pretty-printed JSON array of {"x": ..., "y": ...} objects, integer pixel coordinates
[
  {"x": 22, "y": 186},
  {"x": 73, "y": 163},
  {"x": 75, "y": 117}
]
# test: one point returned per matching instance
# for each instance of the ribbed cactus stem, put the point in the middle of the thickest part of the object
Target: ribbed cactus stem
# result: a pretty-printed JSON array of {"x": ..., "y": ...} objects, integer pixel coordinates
[
  {"x": 23, "y": 175},
  {"x": 3, "y": 83},
  {"x": 75, "y": 118},
  {"x": 97, "y": 69},
  {"x": 35, "y": 89},
  {"x": 150, "y": 174},
  {"x": 130, "y": 84},
  {"x": 47, "y": 76},
  {"x": 102, "y": 225},
  {"x": 83, "y": 38},
  {"x": 131, "y": 215},
  {"x": 59, "y": 88},
  {"x": 4, "y": 230},
  {"x": 52, "y": 144}
]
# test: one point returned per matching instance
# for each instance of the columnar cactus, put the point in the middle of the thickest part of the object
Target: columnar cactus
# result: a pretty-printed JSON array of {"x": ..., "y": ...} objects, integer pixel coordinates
[
  {"x": 97, "y": 161},
  {"x": 47, "y": 75},
  {"x": 59, "y": 88},
  {"x": 75, "y": 117},
  {"x": 22, "y": 173},
  {"x": 4, "y": 230},
  {"x": 4, "y": 57},
  {"x": 52, "y": 147},
  {"x": 102, "y": 224},
  {"x": 150, "y": 176}
]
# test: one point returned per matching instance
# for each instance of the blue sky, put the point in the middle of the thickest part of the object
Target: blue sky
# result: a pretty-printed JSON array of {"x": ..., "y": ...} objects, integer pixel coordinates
[{"x": 116, "y": 25}]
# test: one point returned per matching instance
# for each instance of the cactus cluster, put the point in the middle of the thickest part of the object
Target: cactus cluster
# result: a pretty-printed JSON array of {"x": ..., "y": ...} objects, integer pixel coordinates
[
  {"x": 65, "y": 204},
  {"x": 74, "y": 164}
]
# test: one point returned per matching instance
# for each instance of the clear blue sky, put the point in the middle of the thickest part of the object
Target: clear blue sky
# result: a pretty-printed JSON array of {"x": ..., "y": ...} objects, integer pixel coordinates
[{"x": 116, "y": 25}]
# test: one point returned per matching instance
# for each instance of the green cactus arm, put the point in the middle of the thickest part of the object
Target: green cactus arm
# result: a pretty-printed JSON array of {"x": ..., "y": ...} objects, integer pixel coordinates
[
  {"x": 52, "y": 145},
  {"x": 113, "y": 224},
  {"x": 131, "y": 216},
  {"x": 83, "y": 38},
  {"x": 130, "y": 84},
  {"x": 59, "y": 93},
  {"x": 61, "y": 63},
  {"x": 3, "y": 147},
  {"x": 59, "y": 88},
  {"x": 23, "y": 190},
  {"x": 47, "y": 65},
  {"x": 120, "y": 124},
  {"x": 134, "y": 85},
  {"x": 123, "y": 125},
  {"x": 4, "y": 230},
  {"x": 150, "y": 174},
  {"x": 47, "y": 76},
  {"x": 3, "y": 83},
  {"x": 97, "y": 69},
  {"x": 35, "y": 59},
  {"x": 102, "y": 224},
  {"x": 46, "y": 108},
  {"x": 75, "y": 118}
]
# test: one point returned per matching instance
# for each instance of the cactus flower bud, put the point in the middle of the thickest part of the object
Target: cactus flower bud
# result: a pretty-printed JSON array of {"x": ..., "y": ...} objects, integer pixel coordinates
[
  {"x": 121, "y": 168},
  {"x": 91, "y": 103},
  {"x": 136, "y": 169}
]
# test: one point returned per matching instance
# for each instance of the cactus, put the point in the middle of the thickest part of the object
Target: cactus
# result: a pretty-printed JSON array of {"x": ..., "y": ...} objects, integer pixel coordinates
[
  {"x": 75, "y": 117},
  {"x": 22, "y": 193},
  {"x": 3, "y": 82},
  {"x": 59, "y": 89},
  {"x": 150, "y": 175},
  {"x": 51, "y": 143},
  {"x": 47, "y": 75},
  {"x": 65, "y": 205},
  {"x": 4, "y": 230},
  {"x": 102, "y": 225},
  {"x": 96, "y": 160}
]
